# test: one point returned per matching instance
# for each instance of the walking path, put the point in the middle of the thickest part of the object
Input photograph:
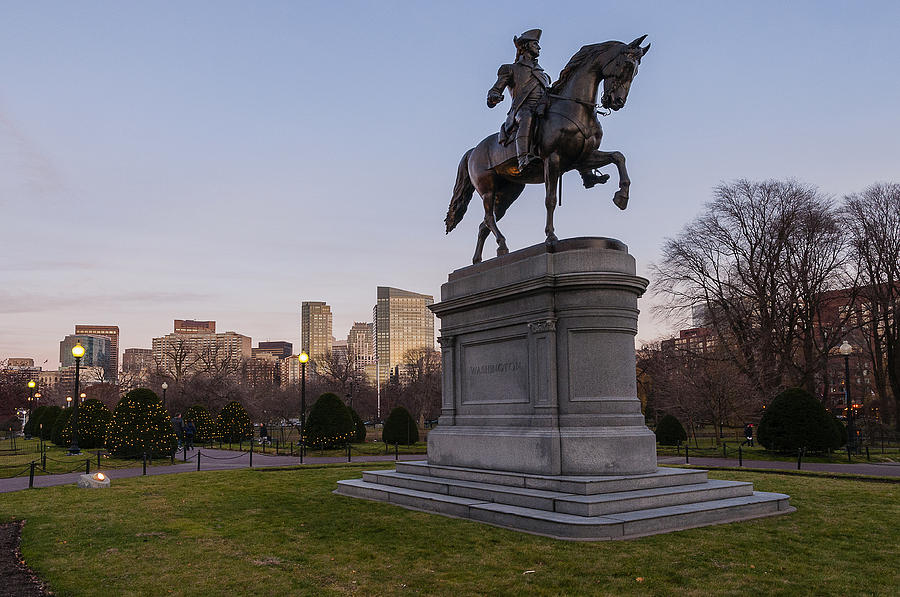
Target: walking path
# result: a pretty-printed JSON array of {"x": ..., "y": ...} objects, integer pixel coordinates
[
  {"x": 210, "y": 460},
  {"x": 218, "y": 460}
]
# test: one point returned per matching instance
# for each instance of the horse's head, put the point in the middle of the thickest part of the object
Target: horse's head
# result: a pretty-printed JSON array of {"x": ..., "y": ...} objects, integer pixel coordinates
[{"x": 619, "y": 72}]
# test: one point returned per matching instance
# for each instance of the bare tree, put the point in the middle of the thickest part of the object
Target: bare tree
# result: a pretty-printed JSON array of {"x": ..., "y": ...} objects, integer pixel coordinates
[
  {"x": 759, "y": 261},
  {"x": 873, "y": 218}
]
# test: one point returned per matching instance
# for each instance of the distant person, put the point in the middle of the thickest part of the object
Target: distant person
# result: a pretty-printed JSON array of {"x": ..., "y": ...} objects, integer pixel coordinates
[
  {"x": 263, "y": 434},
  {"x": 748, "y": 433},
  {"x": 178, "y": 426},
  {"x": 189, "y": 431}
]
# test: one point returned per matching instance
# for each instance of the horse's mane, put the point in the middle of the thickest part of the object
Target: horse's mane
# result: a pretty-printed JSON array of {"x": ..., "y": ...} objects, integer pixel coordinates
[{"x": 581, "y": 56}]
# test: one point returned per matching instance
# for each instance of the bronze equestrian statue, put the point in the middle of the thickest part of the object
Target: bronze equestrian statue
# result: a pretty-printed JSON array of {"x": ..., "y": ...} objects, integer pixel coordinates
[{"x": 565, "y": 138}]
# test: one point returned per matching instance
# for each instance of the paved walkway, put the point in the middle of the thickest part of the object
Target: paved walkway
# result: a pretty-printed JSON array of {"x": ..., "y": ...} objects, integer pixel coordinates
[
  {"x": 878, "y": 469},
  {"x": 219, "y": 460},
  {"x": 210, "y": 460}
]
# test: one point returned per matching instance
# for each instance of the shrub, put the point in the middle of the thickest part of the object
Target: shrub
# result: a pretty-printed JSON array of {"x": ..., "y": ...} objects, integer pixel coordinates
[
  {"x": 36, "y": 414},
  {"x": 329, "y": 424},
  {"x": 56, "y": 432},
  {"x": 93, "y": 422},
  {"x": 670, "y": 432},
  {"x": 205, "y": 423},
  {"x": 44, "y": 425},
  {"x": 796, "y": 420},
  {"x": 140, "y": 424},
  {"x": 400, "y": 428},
  {"x": 234, "y": 423},
  {"x": 840, "y": 430},
  {"x": 359, "y": 435}
]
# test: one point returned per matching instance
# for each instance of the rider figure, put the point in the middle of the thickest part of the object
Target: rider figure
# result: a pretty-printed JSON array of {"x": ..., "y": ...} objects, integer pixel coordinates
[{"x": 528, "y": 85}]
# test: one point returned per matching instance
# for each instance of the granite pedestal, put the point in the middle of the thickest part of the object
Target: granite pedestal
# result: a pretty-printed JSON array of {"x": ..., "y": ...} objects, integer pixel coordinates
[{"x": 539, "y": 395}]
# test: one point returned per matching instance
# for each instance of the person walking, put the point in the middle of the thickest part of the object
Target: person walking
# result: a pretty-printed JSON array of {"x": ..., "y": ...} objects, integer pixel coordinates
[
  {"x": 178, "y": 426},
  {"x": 189, "y": 431}
]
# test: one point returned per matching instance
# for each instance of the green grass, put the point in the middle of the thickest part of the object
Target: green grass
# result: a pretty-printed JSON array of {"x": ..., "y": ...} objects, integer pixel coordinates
[
  {"x": 283, "y": 532},
  {"x": 709, "y": 450}
]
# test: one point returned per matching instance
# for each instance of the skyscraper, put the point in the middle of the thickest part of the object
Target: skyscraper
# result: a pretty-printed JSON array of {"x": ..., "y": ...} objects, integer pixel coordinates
[
  {"x": 195, "y": 346},
  {"x": 315, "y": 329},
  {"x": 361, "y": 349},
  {"x": 402, "y": 322},
  {"x": 111, "y": 332},
  {"x": 96, "y": 353}
]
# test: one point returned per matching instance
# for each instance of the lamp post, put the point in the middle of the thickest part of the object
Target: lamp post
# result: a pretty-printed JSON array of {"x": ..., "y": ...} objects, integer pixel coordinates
[
  {"x": 77, "y": 352},
  {"x": 68, "y": 402},
  {"x": 165, "y": 387},
  {"x": 303, "y": 358},
  {"x": 31, "y": 386},
  {"x": 846, "y": 349}
]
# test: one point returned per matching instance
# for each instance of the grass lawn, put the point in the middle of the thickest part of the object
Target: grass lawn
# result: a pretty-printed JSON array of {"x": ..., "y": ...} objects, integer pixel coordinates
[
  {"x": 708, "y": 449},
  {"x": 282, "y": 532}
]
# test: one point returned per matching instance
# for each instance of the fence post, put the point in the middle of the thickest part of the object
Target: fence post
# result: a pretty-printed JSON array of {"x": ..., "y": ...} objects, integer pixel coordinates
[
  {"x": 173, "y": 455},
  {"x": 251, "y": 453},
  {"x": 867, "y": 453},
  {"x": 44, "y": 457},
  {"x": 848, "y": 451},
  {"x": 724, "y": 449},
  {"x": 292, "y": 449},
  {"x": 799, "y": 457},
  {"x": 87, "y": 466},
  {"x": 740, "y": 455},
  {"x": 687, "y": 456},
  {"x": 396, "y": 451},
  {"x": 348, "y": 452},
  {"x": 145, "y": 463},
  {"x": 300, "y": 449},
  {"x": 31, "y": 476},
  {"x": 198, "y": 460}
]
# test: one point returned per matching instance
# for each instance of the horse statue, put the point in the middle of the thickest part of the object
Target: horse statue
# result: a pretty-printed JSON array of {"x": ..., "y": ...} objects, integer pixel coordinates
[{"x": 567, "y": 139}]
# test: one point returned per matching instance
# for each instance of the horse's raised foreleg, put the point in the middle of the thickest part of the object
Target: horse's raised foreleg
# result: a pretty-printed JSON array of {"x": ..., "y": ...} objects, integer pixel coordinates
[
  {"x": 598, "y": 159},
  {"x": 551, "y": 179}
]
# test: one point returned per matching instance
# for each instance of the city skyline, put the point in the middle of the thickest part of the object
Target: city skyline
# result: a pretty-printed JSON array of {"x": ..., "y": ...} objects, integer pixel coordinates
[{"x": 153, "y": 168}]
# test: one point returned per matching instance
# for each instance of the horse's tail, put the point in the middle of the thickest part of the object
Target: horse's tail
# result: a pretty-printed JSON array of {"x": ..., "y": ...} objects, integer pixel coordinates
[{"x": 462, "y": 194}]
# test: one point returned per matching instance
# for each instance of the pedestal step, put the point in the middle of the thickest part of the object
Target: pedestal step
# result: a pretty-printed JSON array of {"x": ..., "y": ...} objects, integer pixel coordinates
[{"x": 618, "y": 514}]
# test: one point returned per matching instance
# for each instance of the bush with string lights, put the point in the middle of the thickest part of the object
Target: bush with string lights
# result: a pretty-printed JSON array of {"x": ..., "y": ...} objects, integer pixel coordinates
[
  {"x": 56, "y": 429},
  {"x": 234, "y": 423},
  {"x": 206, "y": 429},
  {"x": 140, "y": 424},
  {"x": 330, "y": 424},
  {"x": 93, "y": 422}
]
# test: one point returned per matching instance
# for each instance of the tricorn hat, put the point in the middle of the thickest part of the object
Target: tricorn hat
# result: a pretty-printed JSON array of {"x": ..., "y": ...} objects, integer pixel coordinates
[{"x": 530, "y": 35}]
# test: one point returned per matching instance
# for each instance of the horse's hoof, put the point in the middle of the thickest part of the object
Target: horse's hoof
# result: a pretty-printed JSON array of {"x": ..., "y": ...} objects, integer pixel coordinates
[
  {"x": 501, "y": 251},
  {"x": 476, "y": 260},
  {"x": 620, "y": 199},
  {"x": 551, "y": 239}
]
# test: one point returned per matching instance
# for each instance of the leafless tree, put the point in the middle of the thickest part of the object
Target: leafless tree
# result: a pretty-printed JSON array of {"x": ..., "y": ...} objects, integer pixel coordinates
[
  {"x": 759, "y": 260},
  {"x": 873, "y": 218}
]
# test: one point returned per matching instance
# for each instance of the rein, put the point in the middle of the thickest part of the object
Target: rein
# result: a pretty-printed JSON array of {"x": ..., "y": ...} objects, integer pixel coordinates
[{"x": 600, "y": 110}]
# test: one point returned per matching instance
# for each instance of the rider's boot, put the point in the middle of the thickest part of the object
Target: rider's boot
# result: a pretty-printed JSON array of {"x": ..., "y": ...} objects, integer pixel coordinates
[
  {"x": 591, "y": 178},
  {"x": 525, "y": 157}
]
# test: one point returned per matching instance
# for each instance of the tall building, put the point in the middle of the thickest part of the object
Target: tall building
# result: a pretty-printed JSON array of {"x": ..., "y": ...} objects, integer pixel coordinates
[
  {"x": 191, "y": 326},
  {"x": 111, "y": 332},
  {"x": 315, "y": 329},
  {"x": 361, "y": 348},
  {"x": 136, "y": 360},
  {"x": 279, "y": 349},
  {"x": 195, "y": 346},
  {"x": 96, "y": 353},
  {"x": 402, "y": 321}
]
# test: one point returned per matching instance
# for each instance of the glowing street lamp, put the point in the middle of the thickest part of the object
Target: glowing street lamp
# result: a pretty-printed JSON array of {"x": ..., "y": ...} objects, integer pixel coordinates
[
  {"x": 77, "y": 352},
  {"x": 846, "y": 349},
  {"x": 303, "y": 358},
  {"x": 165, "y": 387},
  {"x": 31, "y": 385}
]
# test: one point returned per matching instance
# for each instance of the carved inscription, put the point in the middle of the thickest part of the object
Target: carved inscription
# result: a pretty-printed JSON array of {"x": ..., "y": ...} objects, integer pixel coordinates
[
  {"x": 495, "y": 368},
  {"x": 495, "y": 372}
]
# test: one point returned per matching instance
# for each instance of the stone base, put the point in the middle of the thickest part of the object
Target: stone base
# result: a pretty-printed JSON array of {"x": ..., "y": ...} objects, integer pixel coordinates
[
  {"x": 620, "y": 450},
  {"x": 582, "y": 508}
]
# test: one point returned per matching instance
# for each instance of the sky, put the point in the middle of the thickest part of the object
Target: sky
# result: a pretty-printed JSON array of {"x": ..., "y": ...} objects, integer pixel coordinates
[{"x": 227, "y": 160}]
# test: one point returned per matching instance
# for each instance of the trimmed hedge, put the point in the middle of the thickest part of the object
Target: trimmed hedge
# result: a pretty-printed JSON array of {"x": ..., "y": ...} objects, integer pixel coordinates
[
  {"x": 234, "y": 423},
  {"x": 44, "y": 425},
  {"x": 329, "y": 424},
  {"x": 207, "y": 430},
  {"x": 670, "y": 432},
  {"x": 795, "y": 420},
  {"x": 140, "y": 424},
  {"x": 93, "y": 423},
  {"x": 31, "y": 426},
  {"x": 400, "y": 428},
  {"x": 56, "y": 435}
]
